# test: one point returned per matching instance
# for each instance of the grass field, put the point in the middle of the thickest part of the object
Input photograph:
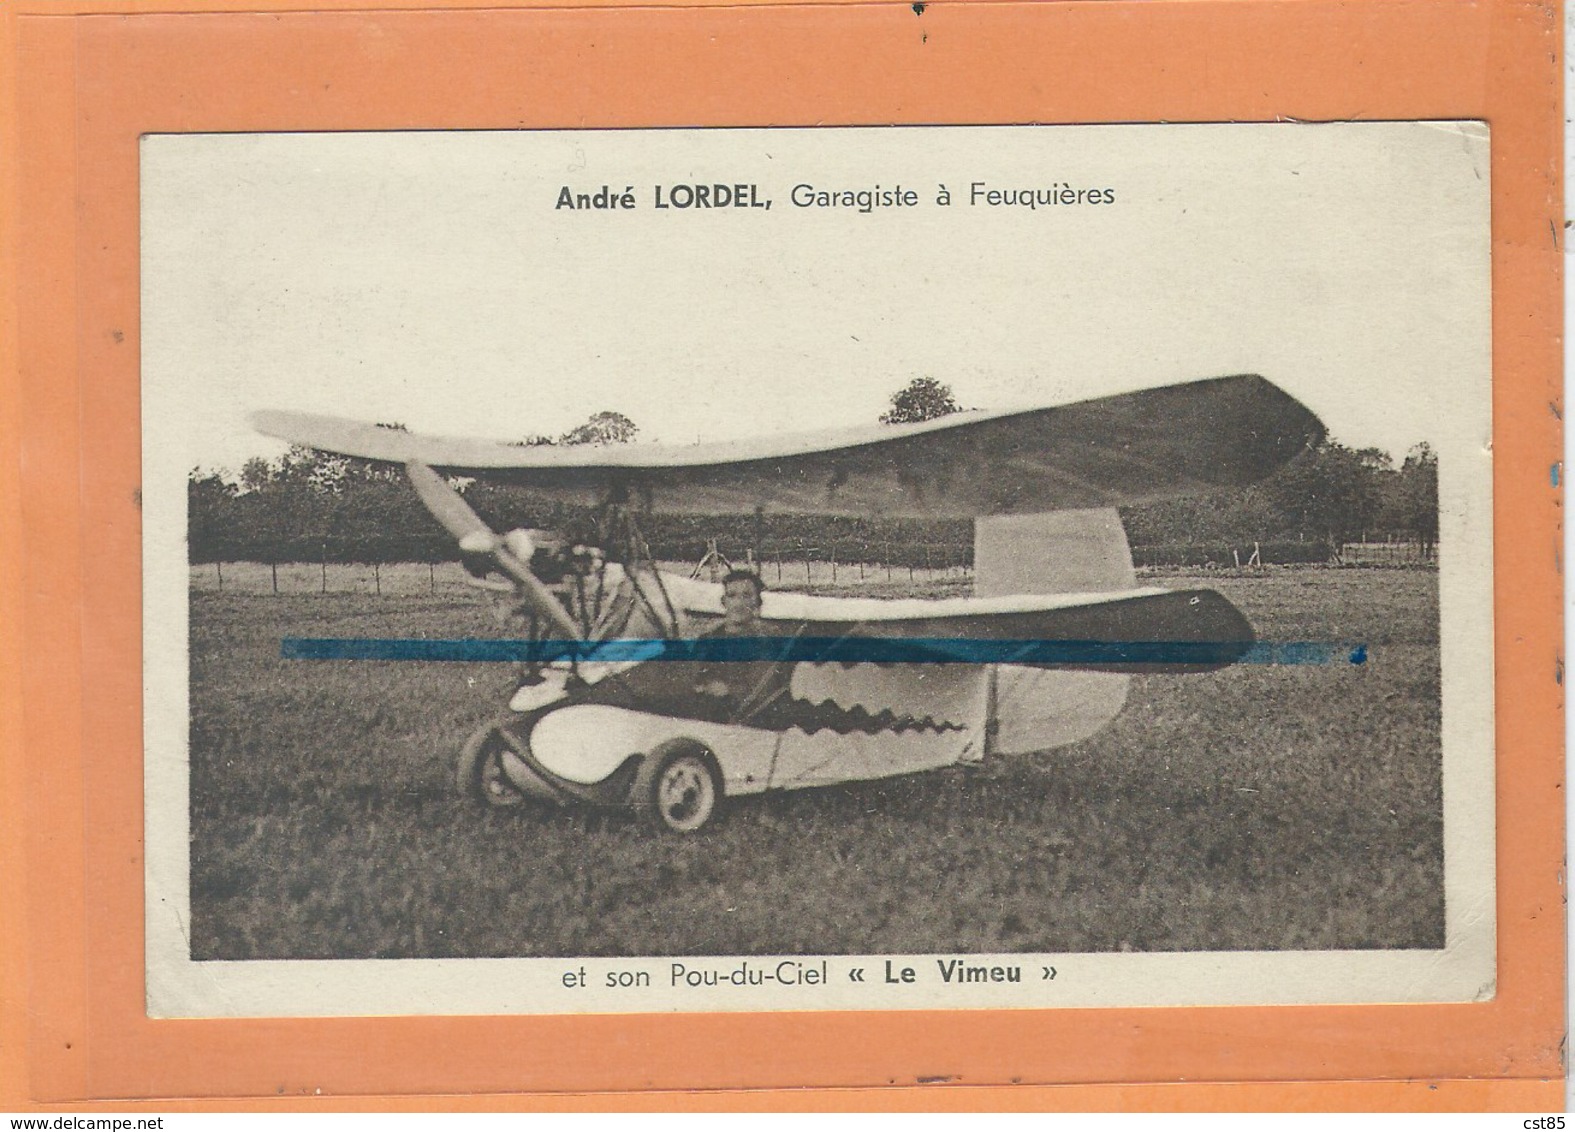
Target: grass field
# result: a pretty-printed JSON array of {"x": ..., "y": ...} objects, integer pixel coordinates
[{"x": 1255, "y": 808}]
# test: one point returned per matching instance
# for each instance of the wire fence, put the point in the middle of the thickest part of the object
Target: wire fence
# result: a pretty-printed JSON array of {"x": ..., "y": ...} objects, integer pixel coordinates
[
  {"x": 442, "y": 577},
  {"x": 941, "y": 566},
  {"x": 1413, "y": 554}
]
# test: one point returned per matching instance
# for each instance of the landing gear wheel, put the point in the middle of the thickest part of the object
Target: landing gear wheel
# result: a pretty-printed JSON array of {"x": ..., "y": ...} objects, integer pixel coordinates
[
  {"x": 678, "y": 790},
  {"x": 479, "y": 773}
]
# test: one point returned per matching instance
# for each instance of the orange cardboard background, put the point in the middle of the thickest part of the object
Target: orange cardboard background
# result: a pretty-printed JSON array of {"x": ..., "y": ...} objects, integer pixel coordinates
[{"x": 88, "y": 84}]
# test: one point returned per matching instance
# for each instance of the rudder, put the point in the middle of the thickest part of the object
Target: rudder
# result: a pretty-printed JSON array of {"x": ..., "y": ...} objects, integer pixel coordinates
[{"x": 1053, "y": 552}]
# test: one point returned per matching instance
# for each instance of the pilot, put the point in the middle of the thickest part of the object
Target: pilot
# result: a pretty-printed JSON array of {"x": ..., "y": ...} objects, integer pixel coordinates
[
  {"x": 742, "y": 592},
  {"x": 743, "y": 686}
]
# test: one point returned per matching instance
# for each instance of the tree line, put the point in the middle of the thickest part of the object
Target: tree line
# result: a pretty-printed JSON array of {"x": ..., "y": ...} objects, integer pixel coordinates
[{"x": 288, "y": 510}]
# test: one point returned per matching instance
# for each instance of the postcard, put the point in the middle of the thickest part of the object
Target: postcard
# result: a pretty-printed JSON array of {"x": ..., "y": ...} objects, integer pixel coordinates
[{"x": 799, "y": 569}]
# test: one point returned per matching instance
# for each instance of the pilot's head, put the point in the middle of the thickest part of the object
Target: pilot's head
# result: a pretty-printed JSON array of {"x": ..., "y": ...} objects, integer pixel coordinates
[{"x": 741, "y": 590}]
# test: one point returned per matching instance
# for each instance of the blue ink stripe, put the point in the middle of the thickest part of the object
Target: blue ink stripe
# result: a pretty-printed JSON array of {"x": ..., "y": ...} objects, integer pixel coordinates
[{"x": 848, "y": 650}]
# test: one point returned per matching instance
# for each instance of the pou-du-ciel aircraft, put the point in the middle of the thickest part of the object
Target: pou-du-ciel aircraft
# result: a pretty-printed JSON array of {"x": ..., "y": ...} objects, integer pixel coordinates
[{"x": 640, "y": 693}]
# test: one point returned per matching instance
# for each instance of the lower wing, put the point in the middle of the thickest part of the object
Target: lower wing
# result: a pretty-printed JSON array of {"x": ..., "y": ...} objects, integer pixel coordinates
[
  {"x": 1143, "y": 630},
  {"x": 1166, "y": 631}
]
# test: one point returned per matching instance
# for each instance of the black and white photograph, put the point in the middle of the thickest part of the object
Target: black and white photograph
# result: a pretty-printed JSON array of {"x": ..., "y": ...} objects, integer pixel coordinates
[{"x": 838, "y": 568}]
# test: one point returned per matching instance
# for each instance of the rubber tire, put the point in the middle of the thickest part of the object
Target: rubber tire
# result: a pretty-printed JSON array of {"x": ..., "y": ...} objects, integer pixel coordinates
[
  {"x": 654, "y": 777},
  {"x": 479, "y": 775}
]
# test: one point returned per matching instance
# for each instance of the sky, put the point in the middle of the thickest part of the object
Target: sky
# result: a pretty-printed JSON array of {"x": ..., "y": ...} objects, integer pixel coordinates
[{"x": 433, "y": 280}]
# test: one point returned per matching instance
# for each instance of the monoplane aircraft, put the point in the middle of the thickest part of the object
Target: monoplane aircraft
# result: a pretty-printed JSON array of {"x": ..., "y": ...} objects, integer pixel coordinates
[{"x": 637, "y": 694}]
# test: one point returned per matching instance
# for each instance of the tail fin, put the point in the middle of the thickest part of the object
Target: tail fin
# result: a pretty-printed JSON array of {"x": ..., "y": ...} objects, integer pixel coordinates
[{"x": 1055, "y": 552}]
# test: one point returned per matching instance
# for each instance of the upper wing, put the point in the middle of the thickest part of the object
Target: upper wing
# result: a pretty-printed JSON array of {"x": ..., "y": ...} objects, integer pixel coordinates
[{"x": 1224, "y": 432}]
